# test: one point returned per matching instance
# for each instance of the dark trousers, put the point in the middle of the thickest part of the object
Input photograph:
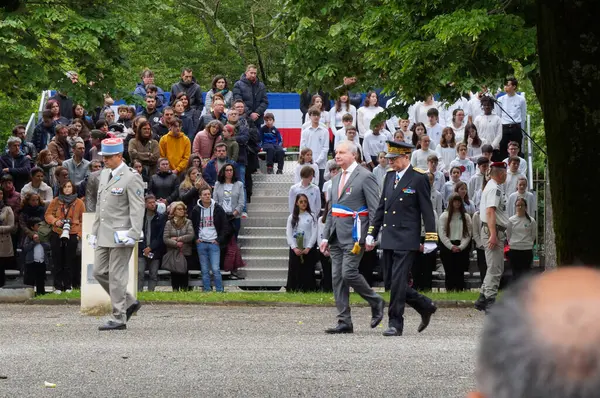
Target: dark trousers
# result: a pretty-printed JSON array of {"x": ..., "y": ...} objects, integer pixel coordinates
[
  {"x": 396, "y": 265},
  {"x": 3, "y": 261},
  {"x": 274, "y": 154},
  {"x": 326, "y": 281},
  {"x": 367, "y": 265},
  {"x": 64, "y": 257},
  {"x": 422, "y": 271},
  {"x": 179, "y": 281},
  {"x": 301, "y": 272},
  {"x": 35, "y": 275},
  {"x": 481, "y": 263},
  {"x": 321, "y": 182},
  {"x": 248, "y": 185},
  {"x": 332, "y": 145},
  {"x": 510, "y": 132},
  {"x": 520, "y": 263},
  {"x": 455, "y": 264}
]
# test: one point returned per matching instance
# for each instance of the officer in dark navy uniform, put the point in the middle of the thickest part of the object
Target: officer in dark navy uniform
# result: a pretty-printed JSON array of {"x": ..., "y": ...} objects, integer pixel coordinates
[{"x": 405, "y": 201}]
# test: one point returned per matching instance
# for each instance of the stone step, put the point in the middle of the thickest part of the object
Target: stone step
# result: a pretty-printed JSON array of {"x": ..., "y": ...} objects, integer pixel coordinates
[
  {"x": 286, "y": 178},
  {"x": 260, "y": 201},
  {"x": 247, "y": 231},
  {"x": 265, "y": 251},
  {"x": 275, "y": 262},
  {"x": 267, "y": 273},
  {"x": 279, "y": 185},
  {"x": 267, "y": 213},
  {"x": 282, "y": 193},
  {"x": 274, "y": 221},
  {"x": 262, "y": 241},
  {"x": 254, "y": 208}
]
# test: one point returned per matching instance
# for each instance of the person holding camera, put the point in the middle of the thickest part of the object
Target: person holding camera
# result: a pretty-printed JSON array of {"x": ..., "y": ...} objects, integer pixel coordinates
[{"x": 65, "y": 215}]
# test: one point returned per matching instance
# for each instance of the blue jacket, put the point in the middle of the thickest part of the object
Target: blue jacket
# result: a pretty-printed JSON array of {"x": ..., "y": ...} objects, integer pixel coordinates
[
  {"x": 270, "y": 136},
  {"x": 157, "y": 244},
  {"x": 19, "y": 168},
  {"x": 40, "y": 136},
  {"x": 254, "y": 96},
  {"x": 140, "y": 90},
  {"x": 210, "y": 171},
  {"x": 242, "y": 136},
  {"x": 28, "y": 245}
]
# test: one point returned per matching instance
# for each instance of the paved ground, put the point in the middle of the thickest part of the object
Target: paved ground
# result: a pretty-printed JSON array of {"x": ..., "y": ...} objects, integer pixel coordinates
[{"x": 232, "y": 351}]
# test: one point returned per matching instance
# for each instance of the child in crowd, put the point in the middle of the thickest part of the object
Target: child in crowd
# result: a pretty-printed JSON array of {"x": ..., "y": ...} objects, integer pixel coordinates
[
  {"x": 458, "y": 124},
  {"x": 381, "y": 170},
  {"x": 432, "y": 168},
  {"x": 461, "y": 189},
  {"x": 271, "y": 142},
  {"x": 476, "y": 181},
  {"x": 341, "y": 134},
  {"x": 399, "y": 136},
  {"x": 305, "y": 187},
  {"x": 479, "y": 248},
  {"x": 233, "y": 148},
  {"x": 487, "y": 152},
  {"x": 406, "y": 133},
  {"x": 455, "y": 173},
  {"x": 436, "y": 197},
  {"x": 317, "y": 104},
  {"x": 418, "y": 130},
  {"x": 434, "y": 129},
  {"x": 352, "y": 135},
  {"x": 316, "y": 137},
  {"x": 466, "y": 165},
  {"x": 333, "y": 169},
  {"x": 301, "y": 233},
  {"x": 473, "y": 141},
  {"x": 521, "y": 234},
  {"x": 513, "y": 151},
  {"x": 520, "y": 193},
  {"x": 324, "y": 258},
  {"x": 123, "y": 111},
  {"x": 489, "y": 126},
  {"x": 446, "y": 150},
  {"x": 35, "y": 257},
  {"x": 306, "y": 158},
  {"x": 419, "y": 157},
  {"x": 512, "y": 176},
  {"x": 373, "y": 143}
]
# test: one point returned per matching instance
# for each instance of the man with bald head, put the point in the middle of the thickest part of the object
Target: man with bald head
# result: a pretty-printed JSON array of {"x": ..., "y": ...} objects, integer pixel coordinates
[{"x": 542, "y": 339}]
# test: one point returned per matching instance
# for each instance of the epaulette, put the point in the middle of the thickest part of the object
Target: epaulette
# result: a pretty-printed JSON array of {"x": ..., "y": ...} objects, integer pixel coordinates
[
  {"x": 418, "y": 170},
  {"x": 389, "y": 169},
  {"x": 134, "y": 171}
]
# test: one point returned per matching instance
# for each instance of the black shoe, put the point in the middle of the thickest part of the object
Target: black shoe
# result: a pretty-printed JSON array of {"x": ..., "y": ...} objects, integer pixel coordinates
[
  {"x": 489, "y": 303},
  {"x": 133, "y": 308},
  {"x": 426, "y": 318},
  {"x": 480, "y": 303},
  {"x": 112, "y": 325},
  {"x": 377, "y": 313},
  {"x": 340, "y": 328},
  {"x": 392, "y": 331},
  {"x": 279, "y": 171},
  {"x": 269, "y": 170}
]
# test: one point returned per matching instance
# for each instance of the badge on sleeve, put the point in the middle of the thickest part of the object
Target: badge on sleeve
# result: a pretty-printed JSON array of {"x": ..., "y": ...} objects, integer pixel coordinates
[
  {"x": 138, "y": 192},
  {"x": 116, "y": 191}
]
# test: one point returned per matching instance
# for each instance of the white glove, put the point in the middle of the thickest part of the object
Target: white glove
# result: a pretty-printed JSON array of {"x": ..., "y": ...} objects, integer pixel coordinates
[
  {"x": 161, "y": 208},
  {"x": 428, "y": 247},
  {"x": 128, "y": 241},
  {"x": 92, "y": 241},
  {"x": 369, "y": 240}
]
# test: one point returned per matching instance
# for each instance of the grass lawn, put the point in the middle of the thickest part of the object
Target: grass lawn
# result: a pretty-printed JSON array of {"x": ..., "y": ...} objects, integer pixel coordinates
[{"x": 259, "y": 297}]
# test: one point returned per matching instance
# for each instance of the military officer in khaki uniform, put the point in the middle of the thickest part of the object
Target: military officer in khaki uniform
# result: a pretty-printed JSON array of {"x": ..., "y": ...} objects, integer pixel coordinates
[{"x": 117, "y": 226}]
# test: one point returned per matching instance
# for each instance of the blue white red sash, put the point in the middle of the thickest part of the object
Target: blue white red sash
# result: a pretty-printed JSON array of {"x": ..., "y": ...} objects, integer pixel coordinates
[{"x": 343, "y": 211}]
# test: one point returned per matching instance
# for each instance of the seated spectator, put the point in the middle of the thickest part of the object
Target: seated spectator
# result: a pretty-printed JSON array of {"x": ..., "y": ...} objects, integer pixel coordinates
[
  {"x": 11, "y": 195},
  {"x": 150, "y": 112},
  {"x": 229, "y": 194},
  {"x": 381, "y": 169},
  {"x": 216, "y": 113},
  {"x": 107, "y": 104},
  {"x": 455, "y": 173},
  {"x": 213, "y": 167},
  {"x": 476, "y": 181},
  {"x": 467, "y": 167},
  {"x": 58, "y": 146},
  {"x": 190, "y": 187},
  {"x": 233, "y": 148},
  {"x": 66, "y": 207},
  {"x": 439, "y": 179},
  {"x": 15, "y": 164},
  {"x": 151, "y": 247},
  {"x": 512, "y": 176},
  {"x": 93, "y": 167},
  {"x": 210, "y": 227},
  {"x": 124, "y": 117},
  {"x": 521, "y": 192},
  {"x": 419, "y": 157},
  {"x": 54, "y": 107},
  {"x": 147, "y": 77},
  {"x": 301, "y": 233},
  {"x": 164, "y": 184},
  {"x": 139, "y": 167},
  {"x": 462, "y": 190},
  {"x": 102, "y": 125},
  {"x": 38, "y": 186},
  {"x": 144, "y": 148},
  {"x": 43, "y": 132},
  {"x": 7, "y": 227},
  {"x": 306, "y": 159},
  {"x": 513, "y": 151},
  {"x": 46, "y": 162},
  {"x": 188, "y": 85},
  {"x": 179, "y": 236},
  {"x": 307, "y": 188},
  {"x": 219, "y": 85},
  {"x": 97, "y": 137},
  {"x": 206, "y": 140},
  {"x": 187, "y": 123},
  {"x": 79, "y": 113},
  {"x": 192, "y": 113},
  {"x": 109, "y": 116},
  {"x": 162, "y": 127},
  {"x": 91, "y": 187},
  {"x": 195, "y": 161},
  {"x": 34, "y": 251},
  {"x": 175, "y": 146},
  {"x": 77, "y": 166},
  {"x": 28, "y": 149}
]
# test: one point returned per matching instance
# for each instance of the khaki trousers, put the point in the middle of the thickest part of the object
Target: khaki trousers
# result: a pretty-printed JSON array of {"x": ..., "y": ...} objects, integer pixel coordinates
[
  {"x": 111, "y": 270},
  {"x": 495, "y": 263}
]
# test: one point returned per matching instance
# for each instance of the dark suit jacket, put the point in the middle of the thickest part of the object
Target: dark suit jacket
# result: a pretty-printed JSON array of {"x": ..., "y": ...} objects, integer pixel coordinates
[{"x": 400, "y": 211}]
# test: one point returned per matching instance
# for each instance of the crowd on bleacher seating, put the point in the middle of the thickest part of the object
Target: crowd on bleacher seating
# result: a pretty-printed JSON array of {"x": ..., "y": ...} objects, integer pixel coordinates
[{"x": 197, "y": 159}]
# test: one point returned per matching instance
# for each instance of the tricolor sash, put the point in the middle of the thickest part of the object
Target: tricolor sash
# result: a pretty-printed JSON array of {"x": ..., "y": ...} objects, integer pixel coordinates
[{"x": 343, "y": 211}]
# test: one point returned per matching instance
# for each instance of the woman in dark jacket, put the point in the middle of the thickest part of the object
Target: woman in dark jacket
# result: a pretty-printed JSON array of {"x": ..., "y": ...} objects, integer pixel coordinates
[
  {"x": 152, "y": 247},
  {"x": 164, "y": 184},
  {"x": 179, "y": 236},
  {"x": 189, "y": 189},
  {"x": 32, "y": 207}
]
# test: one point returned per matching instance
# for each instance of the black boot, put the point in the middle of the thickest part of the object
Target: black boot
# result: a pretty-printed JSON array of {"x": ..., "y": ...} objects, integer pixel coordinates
[{"x": 480, "y": 302}]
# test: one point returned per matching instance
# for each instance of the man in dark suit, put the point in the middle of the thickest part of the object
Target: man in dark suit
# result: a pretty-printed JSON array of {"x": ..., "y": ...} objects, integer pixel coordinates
[{"x": 404, "y": 201}]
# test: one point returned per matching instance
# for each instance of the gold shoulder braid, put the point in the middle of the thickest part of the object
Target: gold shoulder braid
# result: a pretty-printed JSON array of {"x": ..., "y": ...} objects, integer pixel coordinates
[
  {"x": 431, "y": 237},
  {"x": 418, "y": 170}
]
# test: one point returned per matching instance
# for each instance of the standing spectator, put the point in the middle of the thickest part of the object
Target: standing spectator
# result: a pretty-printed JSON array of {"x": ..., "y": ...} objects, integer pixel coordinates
[
  {"x": 439, "y": 179},
  {"x": 246, "y": 135},
  {"x": 479, "y": 248},
  {"x": 461, "y": 189},
  {"x": 11, "y": 196},
  {"x": 418, "y": 130},
  {"x": 35, "y": 258},
  {"x": 28, "y": 149},
  {"x": 342, "y": 133},
  {"x": 316, "y": 137},
  {"x": 458, "y": 124},
  {"x": 375, "y": 142},
  {"x": 58, "y": 146},
  {"x": 65, "y": 104},
  {"x": 219, "y": 85},
  {"x": 342, "y": 108},
  {"x": 467, "y": 167},
  {"x": 179, "y": 236},
  {"x": 61, "y": 175},
  {"x": 79, "y": 113},
  {"x": 15, "y": 164},
  {"x": 520, "y": 193},
  {"x": 254, "y": 94},
  {"x": 233, "y": 148},
  {"x": 455, "y": 235},
  {"x": 188, "y": 125},
  {"x": 447, "y": 149},
  {"x": 512, "y": 110},
  {"x": 213, "y": 167},
  {"x": 210, "y": 228},
  {"x": 513, "y": 151},
  {"x": 306, "y": 159},
  {"x": 38, "y": 186},
  {"x": 317, "y": 102},
  {"x": 97, "y": 137},
  {"x": 217, "y": 113},
  {"x": 455, "y": 173},
  {"x": 151, "y": 112},
  {"x": 367, "y": 113},
  {"x": 436, "y": 198},
  {"x": 164, "y": 184},
  {"x": 206, "y": 141},
  {"x": 434, "y": 128},
  {"x": 489, "y": 125},
  {"x": 54, "y": 108},
  {"x": 46, "y": 162},
  {"x": 333, "y": 169},
  {"x": 229, "y": 194},
  {"x": 382, "y": 168},
  {"x": 32, "y": 207},
  {"x": 419, "y": 158},
  {"x": 271, "y": 142},
  {"x": 301, "y": 233},
  {"x": 43, "y": 132},
  {"x": 192, "y": 114},
  {"x": 512, "y": 176},
  {"x": 147, "y": 77},
  {"x": 82, "y": 188},
  {"x": 124, "y": 116},
  {"x": 521, "y": 234},
  {"x": 188, "y": 85},
  {"x": 91, "y": 190},
  {"x": 190, "y": 187},
  {"x": 139, "y": 167},
  {"x": 305, "y": 187},
  {"x": 421, "y": 109},
  {"x": 474, "y": 142},
  {"x": 151, "y": 247},
  {"x": 65, "y": 209},
  {"x": 144, "y": 148},
  {"x": 176, "y": 147},
  {"x": 77, "y": 166},
  {"x": 7, "y": 227},
  {"x": 162, "y": 127},
  {"x": 476, "y": 182},
  {"x": 306, "y": 98}
]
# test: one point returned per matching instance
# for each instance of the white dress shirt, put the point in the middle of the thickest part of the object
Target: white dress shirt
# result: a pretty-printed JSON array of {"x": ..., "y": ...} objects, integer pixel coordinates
[{"x": 512, "y": 106}]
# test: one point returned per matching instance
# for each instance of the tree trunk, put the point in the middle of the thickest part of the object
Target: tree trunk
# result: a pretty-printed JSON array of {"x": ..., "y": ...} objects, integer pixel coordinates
[
  {"x": 549, "y": 236},
  {"x": 569, "y": 48}
]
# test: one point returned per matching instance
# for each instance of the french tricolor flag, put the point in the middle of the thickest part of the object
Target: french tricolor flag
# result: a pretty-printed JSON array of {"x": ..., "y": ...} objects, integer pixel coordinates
[{"x": 288, "y": 118}]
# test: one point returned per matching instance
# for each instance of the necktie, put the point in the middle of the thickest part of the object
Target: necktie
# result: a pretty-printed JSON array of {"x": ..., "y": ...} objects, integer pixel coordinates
[
  {"x": 342, "y": 183},
  {"x": 109, "y": 176}
]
